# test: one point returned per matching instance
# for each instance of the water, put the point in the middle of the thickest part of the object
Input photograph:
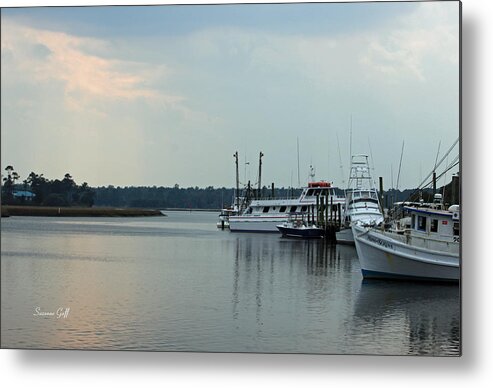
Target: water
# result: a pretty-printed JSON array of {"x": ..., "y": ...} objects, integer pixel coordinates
[{"x": 177, "y": 283}]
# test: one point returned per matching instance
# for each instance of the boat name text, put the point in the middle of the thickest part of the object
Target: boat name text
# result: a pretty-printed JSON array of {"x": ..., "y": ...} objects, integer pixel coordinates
[{"x": 381, "y": 242}]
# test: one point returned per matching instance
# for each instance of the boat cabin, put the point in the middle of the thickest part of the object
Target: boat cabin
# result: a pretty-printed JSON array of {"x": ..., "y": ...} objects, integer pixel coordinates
[
  {"x": 305, "y": 203},
  {"x": 434, "y": 223},
  {"x": 354, "y": 196}
]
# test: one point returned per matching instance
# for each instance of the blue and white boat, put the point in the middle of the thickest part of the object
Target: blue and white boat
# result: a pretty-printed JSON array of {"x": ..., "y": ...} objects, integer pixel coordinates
[
  {"x": 428, "y": 250},
  {"x": 298, "y": 226}
]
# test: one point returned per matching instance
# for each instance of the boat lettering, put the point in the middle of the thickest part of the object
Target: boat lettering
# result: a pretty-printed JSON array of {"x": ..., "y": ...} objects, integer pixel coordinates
[{"x": 381, "y": 242}]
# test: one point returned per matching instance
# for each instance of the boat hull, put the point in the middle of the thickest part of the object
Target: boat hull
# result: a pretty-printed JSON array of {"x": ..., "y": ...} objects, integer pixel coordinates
[
  {"x": 345, "y": 236},
  {"x": 301, "y": 232},
  {"x": 255, "y": 224},
  {"x": 380, "y": 256}
]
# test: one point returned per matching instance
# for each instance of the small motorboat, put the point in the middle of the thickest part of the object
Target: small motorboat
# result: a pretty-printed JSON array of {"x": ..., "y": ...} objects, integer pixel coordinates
[{"x": 296, "y": 226}]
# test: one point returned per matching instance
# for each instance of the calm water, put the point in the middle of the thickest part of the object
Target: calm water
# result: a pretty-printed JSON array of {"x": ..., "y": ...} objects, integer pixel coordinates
[{"x": 177, "y": 283}]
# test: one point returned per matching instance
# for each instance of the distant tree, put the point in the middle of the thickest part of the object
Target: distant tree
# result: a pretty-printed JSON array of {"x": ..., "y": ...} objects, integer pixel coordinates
[
  {"x": 8, "y": 185},
  {"x": 39, "y": 186},
  {"x": 85, "y": 195}
]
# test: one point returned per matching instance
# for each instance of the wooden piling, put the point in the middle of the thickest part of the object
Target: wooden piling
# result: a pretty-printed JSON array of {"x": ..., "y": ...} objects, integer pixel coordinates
[
  {"x": 331, "y": 209},
  {"x": 327, "y": 208},
  {"x": 318, "y": 209},
  {"x": 339, "y": 211}
]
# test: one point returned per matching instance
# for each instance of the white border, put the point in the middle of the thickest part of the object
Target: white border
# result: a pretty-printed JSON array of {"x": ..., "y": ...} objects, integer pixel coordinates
[{"x": 474, "y": 368}]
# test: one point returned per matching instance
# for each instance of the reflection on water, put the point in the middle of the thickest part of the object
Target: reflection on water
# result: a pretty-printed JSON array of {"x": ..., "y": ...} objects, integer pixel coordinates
[
  {"x": 429, "y": 317},
  {"x": 179, "y": 284}
]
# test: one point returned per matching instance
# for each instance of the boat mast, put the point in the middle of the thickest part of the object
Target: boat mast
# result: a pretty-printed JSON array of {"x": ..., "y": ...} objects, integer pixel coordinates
[
  {"x": 260, "y": 174},
  {"x": 235, "y": 155}
]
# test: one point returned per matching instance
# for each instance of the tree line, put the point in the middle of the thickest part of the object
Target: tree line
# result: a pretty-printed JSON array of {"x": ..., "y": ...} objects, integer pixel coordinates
[
  {"x": 65, "y": 192},
  {"x": 38, "y": 190},
  {"x": 175, "y": 197}
]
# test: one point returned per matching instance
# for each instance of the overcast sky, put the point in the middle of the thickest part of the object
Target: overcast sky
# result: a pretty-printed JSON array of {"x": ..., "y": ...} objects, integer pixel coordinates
[{"x": 166, "y": 94}]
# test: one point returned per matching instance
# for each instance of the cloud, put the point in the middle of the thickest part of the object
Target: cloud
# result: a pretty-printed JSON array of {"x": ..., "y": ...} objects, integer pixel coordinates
[
  {"x": 404, "y": 47},
  {"x": 88, "y": 79}
]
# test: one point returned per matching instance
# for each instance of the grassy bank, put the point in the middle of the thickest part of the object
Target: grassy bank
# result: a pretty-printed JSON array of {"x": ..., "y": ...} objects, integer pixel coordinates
[{"x": 46, "y": 211}]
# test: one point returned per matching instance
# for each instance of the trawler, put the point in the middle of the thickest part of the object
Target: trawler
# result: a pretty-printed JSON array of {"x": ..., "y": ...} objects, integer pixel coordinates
[{"x": 428, "y": 249}]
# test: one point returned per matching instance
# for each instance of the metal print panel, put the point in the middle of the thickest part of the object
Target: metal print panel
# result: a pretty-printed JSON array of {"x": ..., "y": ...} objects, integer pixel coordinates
[{"x": 265, "y": 178}]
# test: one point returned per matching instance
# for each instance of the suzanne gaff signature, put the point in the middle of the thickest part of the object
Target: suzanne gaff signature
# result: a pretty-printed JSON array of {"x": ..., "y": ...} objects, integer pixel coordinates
[{"x": 60, "y": 313}]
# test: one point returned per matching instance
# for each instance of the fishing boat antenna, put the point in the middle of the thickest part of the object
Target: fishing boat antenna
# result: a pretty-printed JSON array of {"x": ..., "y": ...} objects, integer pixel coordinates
[
  {"x": 298, "y": 149},
  {"x": 350, "y": 138},
  {"x": 400, "y": 164},
  {"x": 340, "y": 159},
  {"x": 371, "y": 155}
]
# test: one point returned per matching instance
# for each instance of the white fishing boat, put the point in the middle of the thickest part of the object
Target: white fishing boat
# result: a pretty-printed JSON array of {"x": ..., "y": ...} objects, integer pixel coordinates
[
  {"x": 362, "y": 205},
  {"x": 428, "y": 250},
  {"x": 263, "y": 215}
]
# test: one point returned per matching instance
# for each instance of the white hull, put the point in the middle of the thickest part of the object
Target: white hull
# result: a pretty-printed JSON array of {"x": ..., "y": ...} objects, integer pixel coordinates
[
  {"x": 382, "y": 256},
  {"x": 256, "y": 224},
  {"x": 345, "y": 236}
]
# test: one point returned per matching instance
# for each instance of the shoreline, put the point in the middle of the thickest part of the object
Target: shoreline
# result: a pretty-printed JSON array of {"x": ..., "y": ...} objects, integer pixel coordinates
[{"x": 49, "y": 211}]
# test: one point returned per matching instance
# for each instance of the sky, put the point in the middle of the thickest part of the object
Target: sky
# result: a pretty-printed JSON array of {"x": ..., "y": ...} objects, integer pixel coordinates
[{"x": 165, "y": 95}]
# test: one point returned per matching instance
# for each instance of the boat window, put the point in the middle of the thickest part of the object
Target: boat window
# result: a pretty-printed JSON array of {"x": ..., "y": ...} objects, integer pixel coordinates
[
  {"x": 249, "y": 211},
  {"x": 421, "y": 223},
  {"x": 434, "y": 226},
  {"x": 282, "y": 209},
  {"x": 374, "y": 195},
  {"x": 293, "y": 209},
  {"x": 413, "y": 221},
  {"x": 266, "y": 209},
  {"x": 310, "y": 193},
  {"x": 456, "y": 229},
  {"x": 303, "y": 208}
]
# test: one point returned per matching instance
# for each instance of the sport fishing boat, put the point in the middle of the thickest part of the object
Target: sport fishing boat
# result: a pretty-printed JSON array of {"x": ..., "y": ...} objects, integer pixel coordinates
[
  {"x": 427, "y": 250},
  {"x": 299, "y": 226},
  {"x": 263, "y": 215},
  {"x": 362, "y": 205},
  {"x": 223, "y": 222}
]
